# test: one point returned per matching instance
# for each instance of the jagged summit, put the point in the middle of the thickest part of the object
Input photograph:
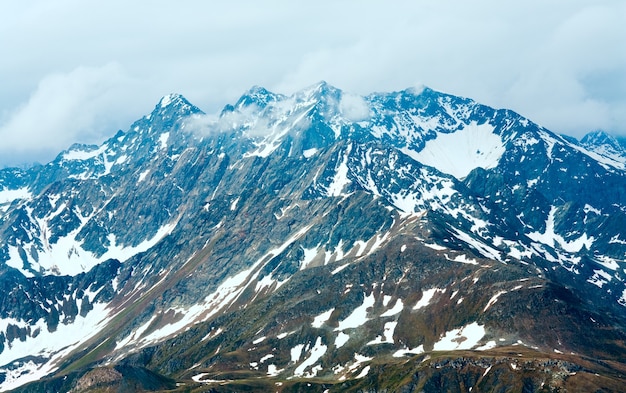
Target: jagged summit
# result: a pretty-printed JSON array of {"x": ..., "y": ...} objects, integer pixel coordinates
[
  {"x": 173, "y": 107},
  {"x": 258, "y": 96},
  {"x": 320, "y": 89},
  {"x": 607, "y": 147},
  {"x": 174, "y": 100},
  {"x": 601, "y": 138}
]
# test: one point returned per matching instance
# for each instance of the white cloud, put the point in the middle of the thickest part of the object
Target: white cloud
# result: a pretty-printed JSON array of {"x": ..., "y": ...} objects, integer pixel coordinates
[
  {"x": 67, "y": 108},
  {"x": 248, "y": 119},
  {"x": 354, "y": 107},
  {"x": 568, "y": 58}
]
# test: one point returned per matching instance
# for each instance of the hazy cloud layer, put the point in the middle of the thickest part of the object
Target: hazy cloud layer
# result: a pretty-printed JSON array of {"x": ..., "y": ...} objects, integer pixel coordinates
[
  {"x": 76, "y": 71},
  {"x": 353, "y": 107}
]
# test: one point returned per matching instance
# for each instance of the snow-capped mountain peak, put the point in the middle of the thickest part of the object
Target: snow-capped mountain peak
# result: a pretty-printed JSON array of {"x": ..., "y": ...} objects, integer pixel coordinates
[
  {"x": 605, "y": 145},
  {"x": 317, "y": 238},
  {"x": 173, "y": 100}
]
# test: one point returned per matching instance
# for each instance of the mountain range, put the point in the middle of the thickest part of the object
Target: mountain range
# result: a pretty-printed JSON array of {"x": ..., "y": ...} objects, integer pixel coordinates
[{"x": 322, "y": 241}]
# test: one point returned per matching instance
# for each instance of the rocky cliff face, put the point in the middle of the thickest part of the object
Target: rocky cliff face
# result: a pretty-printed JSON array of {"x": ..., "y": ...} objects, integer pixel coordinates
[{"x": 323, "y": 238}]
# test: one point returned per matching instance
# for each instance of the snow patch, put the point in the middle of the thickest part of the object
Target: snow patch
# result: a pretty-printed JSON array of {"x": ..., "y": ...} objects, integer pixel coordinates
[
  {"x": 387, "y": 337},
  {"x": 142, "y": 175},
  {"x": 607, "y": 262},
  {"x": 321, "y": 319},
  {"x": 49, "y": 346},
  {"x": 67, "y": 257},
  {"x": 484, "y": 249},
  {"x": 339, "y": 268},
  {"x": 341, "y": 339},
  {"x": 358, "y": 316},
  {"x": 340, "y": 180},
  {"x": 397, "y": 308},
  {"x": 199, "y": 378},
  {"x": 163, "y": 140},
  {"x": 599, "y": 278},
  {"x": 166, "y": 100},
  {"x": 493, "y": 299},
  {"x": 435, "y": 247},
  {"x": 465, "y": 337},
  {"x": 233, "y": 205},
  {"x": 309, "y": 255},
  {"x": 363, "y": 372},
  {"x": 273, "y": 371},
  {"x": 317, "y": 352},
  {"x": 407, "y": 351},
  {"x": 490, "y": 345},
  {"x": 296, "y": 352},
  {"x": 8, "y": 196},
  {"x": 427, "y": 297},
  {"x": 358, "y": 361},
  {"x": 458, "y": 153},
  {"x": 82, "y": 155},
  {"x": 308, "y": 153},
  {"x": 616, "y": 240},
  {"x": 121, "y": 160},
  {"x": 622, "y": 299},
  {"x": 462, "y": 258},
  {"x": 551, "y": 238}
]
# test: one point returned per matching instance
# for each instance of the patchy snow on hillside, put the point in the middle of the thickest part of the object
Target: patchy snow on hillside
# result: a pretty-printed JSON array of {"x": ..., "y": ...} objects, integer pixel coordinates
[
  {"x": 340, "y": 180},
  {"x": 48, "y": 347},
  {"x": 308, "y": 153},
  {"x": 67, "y": 257},
  {"x": 551, "y": 238},
  {"x": 317, "y": 352},
  {"x": 225, "y": 294},
  {"x": 494, "y": 299}
]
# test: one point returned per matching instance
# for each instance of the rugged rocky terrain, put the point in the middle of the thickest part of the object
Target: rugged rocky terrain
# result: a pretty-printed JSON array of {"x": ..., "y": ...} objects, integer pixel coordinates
[{"x": 405, "y": 241}]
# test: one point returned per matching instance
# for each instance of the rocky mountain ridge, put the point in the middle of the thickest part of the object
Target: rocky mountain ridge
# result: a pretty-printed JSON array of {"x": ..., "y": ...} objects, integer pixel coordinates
[{"x": 331, "y": 234}]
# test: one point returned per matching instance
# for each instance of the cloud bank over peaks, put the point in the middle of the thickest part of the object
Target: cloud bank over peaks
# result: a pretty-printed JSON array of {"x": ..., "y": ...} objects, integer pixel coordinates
[
  {"x": 250, "y": 119},
  {"x": 354, "y": 107},
  {"x": 260, "y": 112},
  {"x": 67, "y": 108}
]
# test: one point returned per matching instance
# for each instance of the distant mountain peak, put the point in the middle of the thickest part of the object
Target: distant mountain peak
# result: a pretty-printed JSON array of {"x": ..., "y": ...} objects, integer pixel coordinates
[
  {"x": 172, "y": 99},
  {"x": 600, "y": 142},
  {"x": 175, "y": 103},
  {"x": 321, "y": 89},
  {"x": 259, "y": 96},
  {"x": 172, "y": 108},
  {"x": 600, "y": 137}
]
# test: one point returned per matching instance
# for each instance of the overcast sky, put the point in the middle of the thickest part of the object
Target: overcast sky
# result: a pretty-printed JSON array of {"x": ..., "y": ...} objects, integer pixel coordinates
[{"x": 79, "y": 70}]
